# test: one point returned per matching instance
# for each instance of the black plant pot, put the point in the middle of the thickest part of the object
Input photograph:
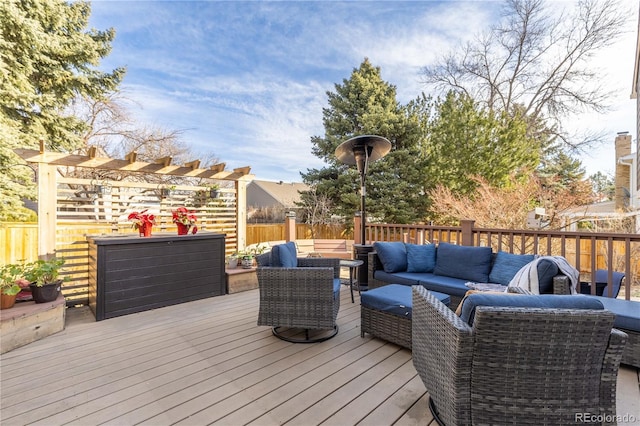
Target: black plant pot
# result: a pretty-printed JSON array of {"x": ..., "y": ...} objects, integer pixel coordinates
[{"x": 45, "y": 293}]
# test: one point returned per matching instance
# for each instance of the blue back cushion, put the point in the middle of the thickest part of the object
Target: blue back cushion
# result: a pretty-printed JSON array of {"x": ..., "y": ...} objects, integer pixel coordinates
[
  {"x": 506, "y": 265},
  {"x": 546, "y": 271},
  {"x": 421, "y": 257},
  {"x": 284, "y": 255},
  {"x": 393, "y": 256},
  {"x": 466, "y": 263},
  {"x": 471, "y": 302}
]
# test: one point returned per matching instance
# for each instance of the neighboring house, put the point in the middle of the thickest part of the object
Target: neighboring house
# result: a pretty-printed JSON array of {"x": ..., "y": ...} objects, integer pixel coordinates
[
  {"x": 262, "y": 194},
  {"x": 626, "y": 202},
  {"x": 634, "y": 95}
]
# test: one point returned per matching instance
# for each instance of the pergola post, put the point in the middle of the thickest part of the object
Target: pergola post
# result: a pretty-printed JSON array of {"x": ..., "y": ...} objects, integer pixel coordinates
[
  {"x": 241, "y": 211},
  {"x": 46, "y": 210}
]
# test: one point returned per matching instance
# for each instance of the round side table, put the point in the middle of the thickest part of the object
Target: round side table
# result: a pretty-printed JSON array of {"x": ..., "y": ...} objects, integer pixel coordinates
[{"x": 352, "y": 265}]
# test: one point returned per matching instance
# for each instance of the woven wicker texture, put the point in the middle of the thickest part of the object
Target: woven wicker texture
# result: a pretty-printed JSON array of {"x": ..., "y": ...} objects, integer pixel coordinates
[
  {"x": 516, "y": 366},
  {"x": 300, "y": 297},
  {"x": 384, "y": 325}
]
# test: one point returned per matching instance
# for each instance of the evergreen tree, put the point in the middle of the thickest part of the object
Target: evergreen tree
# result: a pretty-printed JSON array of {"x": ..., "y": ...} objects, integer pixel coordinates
[
  {"x": 48, "y": 58},
  {"x": 365, "y": 104},
  {"x": 466, "y": 142},
  {"x": 604, "y": 187}
]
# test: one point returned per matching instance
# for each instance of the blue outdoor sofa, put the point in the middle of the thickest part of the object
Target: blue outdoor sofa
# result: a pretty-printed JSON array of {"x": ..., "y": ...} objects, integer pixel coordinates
[{"x": 447, "y": 268}]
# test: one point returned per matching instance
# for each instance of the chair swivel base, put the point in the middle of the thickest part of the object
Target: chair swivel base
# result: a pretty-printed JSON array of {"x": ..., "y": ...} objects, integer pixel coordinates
[
  {"x": 434, "y": 412},
  {"x": 276, "y": 332}
]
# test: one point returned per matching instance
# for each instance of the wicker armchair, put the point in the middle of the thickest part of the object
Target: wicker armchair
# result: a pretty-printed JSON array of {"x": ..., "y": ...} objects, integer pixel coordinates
[
  {"x": 516, "y": 366},
  {"x": 305, "y": 297}
]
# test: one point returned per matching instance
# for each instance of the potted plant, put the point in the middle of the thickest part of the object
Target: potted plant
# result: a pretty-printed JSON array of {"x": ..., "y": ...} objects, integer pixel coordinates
[
  {"x": 249, "y": 254},
  {"x": 232, "y": 260},
  {"x": 9, "y": 288},
  {"x": 184, "y": 219},
  {"x": 214, "y": 190},
  {"x": 143, "y": 222},
  {"x": 44, "y": 277}
]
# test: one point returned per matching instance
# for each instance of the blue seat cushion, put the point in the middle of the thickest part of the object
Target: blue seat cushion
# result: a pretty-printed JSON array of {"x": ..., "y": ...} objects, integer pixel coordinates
[
  {"x": 284, "y": 255},
  {"x": 464, "y": 262},
  {"x": 395, "y": 299},
  {"x": 442, "y": 284},
  {"x": 627, "y": 312},
  {"x": 406, "y": 278},
  {"x": 421, "y": 257},
  {"x": 506, "y": 265},
  {"x": 392, "y": 255},
  {"x": 471, "y": 302}
]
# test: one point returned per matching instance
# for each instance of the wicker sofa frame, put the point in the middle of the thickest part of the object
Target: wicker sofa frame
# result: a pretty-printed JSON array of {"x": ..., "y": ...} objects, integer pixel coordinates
[
  {"x": 300, "y": 297},
  {"x": 512, "y": 365}
]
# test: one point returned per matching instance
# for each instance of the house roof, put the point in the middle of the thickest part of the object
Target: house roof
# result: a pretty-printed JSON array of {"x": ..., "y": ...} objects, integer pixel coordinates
[{"x": 283, "y": 193}]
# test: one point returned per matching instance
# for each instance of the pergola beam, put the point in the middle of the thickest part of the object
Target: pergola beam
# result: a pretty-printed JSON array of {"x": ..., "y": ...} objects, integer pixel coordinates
[
  {"x": 193, "y": 164},
  {"x": 131, "y": 157},
  {"x": 161, "y": 167}
]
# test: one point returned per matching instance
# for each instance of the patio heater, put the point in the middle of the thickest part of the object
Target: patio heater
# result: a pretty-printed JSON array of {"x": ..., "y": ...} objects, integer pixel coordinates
[{"x": 360, "y": 151}]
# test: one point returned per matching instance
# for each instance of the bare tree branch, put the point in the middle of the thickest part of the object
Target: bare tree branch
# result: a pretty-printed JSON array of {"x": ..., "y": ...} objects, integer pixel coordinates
[{"x": 537, "y": 58}]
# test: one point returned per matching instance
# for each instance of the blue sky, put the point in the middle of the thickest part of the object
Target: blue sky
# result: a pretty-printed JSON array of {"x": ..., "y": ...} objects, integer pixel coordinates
[{"x": 247, "y": 81}]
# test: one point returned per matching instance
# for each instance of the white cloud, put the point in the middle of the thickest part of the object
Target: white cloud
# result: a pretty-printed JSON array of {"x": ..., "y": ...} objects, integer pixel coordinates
[{"x": 248, "y": 80}]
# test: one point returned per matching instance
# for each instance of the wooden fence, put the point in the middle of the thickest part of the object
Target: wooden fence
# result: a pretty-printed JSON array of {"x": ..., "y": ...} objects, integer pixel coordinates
[{"x": 258, "y": 233}]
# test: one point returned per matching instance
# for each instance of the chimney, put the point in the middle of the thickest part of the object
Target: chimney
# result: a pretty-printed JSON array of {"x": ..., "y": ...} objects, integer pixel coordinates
[{"x": 623, "y": 171}]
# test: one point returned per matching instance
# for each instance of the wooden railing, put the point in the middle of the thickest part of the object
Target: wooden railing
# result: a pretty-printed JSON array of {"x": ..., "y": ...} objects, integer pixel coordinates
[{"x": 587, "y": 251}]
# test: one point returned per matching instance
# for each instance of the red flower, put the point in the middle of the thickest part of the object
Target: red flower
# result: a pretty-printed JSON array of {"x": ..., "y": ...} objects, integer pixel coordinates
[
  {"x": 184, "y": 216},
  {"x": 142, "y": 217}
]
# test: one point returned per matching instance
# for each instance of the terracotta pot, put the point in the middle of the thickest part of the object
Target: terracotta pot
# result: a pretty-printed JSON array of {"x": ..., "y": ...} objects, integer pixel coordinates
[
  {"x": 7, "y": 300},
  {"x": 46, "y": 293},
  {"x": 183, "y": 229}
]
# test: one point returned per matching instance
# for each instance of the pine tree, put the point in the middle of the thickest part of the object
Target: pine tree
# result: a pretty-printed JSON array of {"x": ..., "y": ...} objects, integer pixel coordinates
[
  {"x": 365, "y": 104},
  {"x": 48, "y": 58},
  {"x": 466, "y": 142}
]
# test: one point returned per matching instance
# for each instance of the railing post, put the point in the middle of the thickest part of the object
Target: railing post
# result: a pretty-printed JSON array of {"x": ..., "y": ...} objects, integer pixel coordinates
[
  {"x": 357, "y": 238},
  {"x": 467, "y": 231},
  {"x": 290, "y": 226}
]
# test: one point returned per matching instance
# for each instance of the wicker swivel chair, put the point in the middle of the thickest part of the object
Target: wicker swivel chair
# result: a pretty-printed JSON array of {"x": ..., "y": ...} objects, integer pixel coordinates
[
  {"x": 305, "y": 296},
  {"x": 516, "y": 365}
]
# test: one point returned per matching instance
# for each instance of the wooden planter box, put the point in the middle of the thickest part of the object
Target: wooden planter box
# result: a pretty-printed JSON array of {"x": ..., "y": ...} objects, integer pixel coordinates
[{"x": 130, "y": 274}]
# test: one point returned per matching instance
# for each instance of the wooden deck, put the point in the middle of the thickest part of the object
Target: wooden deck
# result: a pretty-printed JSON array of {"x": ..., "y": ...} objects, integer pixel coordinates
[{"x": 206, "y": 362}]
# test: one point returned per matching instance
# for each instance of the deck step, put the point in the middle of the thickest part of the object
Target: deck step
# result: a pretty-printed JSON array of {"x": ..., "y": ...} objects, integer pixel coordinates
[{"x": 28, "y": 322}]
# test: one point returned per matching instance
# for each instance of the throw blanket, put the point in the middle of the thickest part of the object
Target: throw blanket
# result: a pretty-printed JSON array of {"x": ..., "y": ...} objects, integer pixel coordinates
[{"x": 527, "y": 276}]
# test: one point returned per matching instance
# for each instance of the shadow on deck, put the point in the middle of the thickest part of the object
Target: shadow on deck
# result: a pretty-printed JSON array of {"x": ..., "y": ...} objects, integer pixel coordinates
[{"x": 206, "y": 362}]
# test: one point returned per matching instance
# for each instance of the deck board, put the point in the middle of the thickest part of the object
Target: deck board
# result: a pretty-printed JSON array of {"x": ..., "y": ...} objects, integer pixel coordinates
[{"x": 206, "y": 362}]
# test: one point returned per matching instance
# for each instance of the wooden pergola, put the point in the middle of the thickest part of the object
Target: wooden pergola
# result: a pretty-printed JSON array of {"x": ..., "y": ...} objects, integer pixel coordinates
[{"x": 65, "y": 218}]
